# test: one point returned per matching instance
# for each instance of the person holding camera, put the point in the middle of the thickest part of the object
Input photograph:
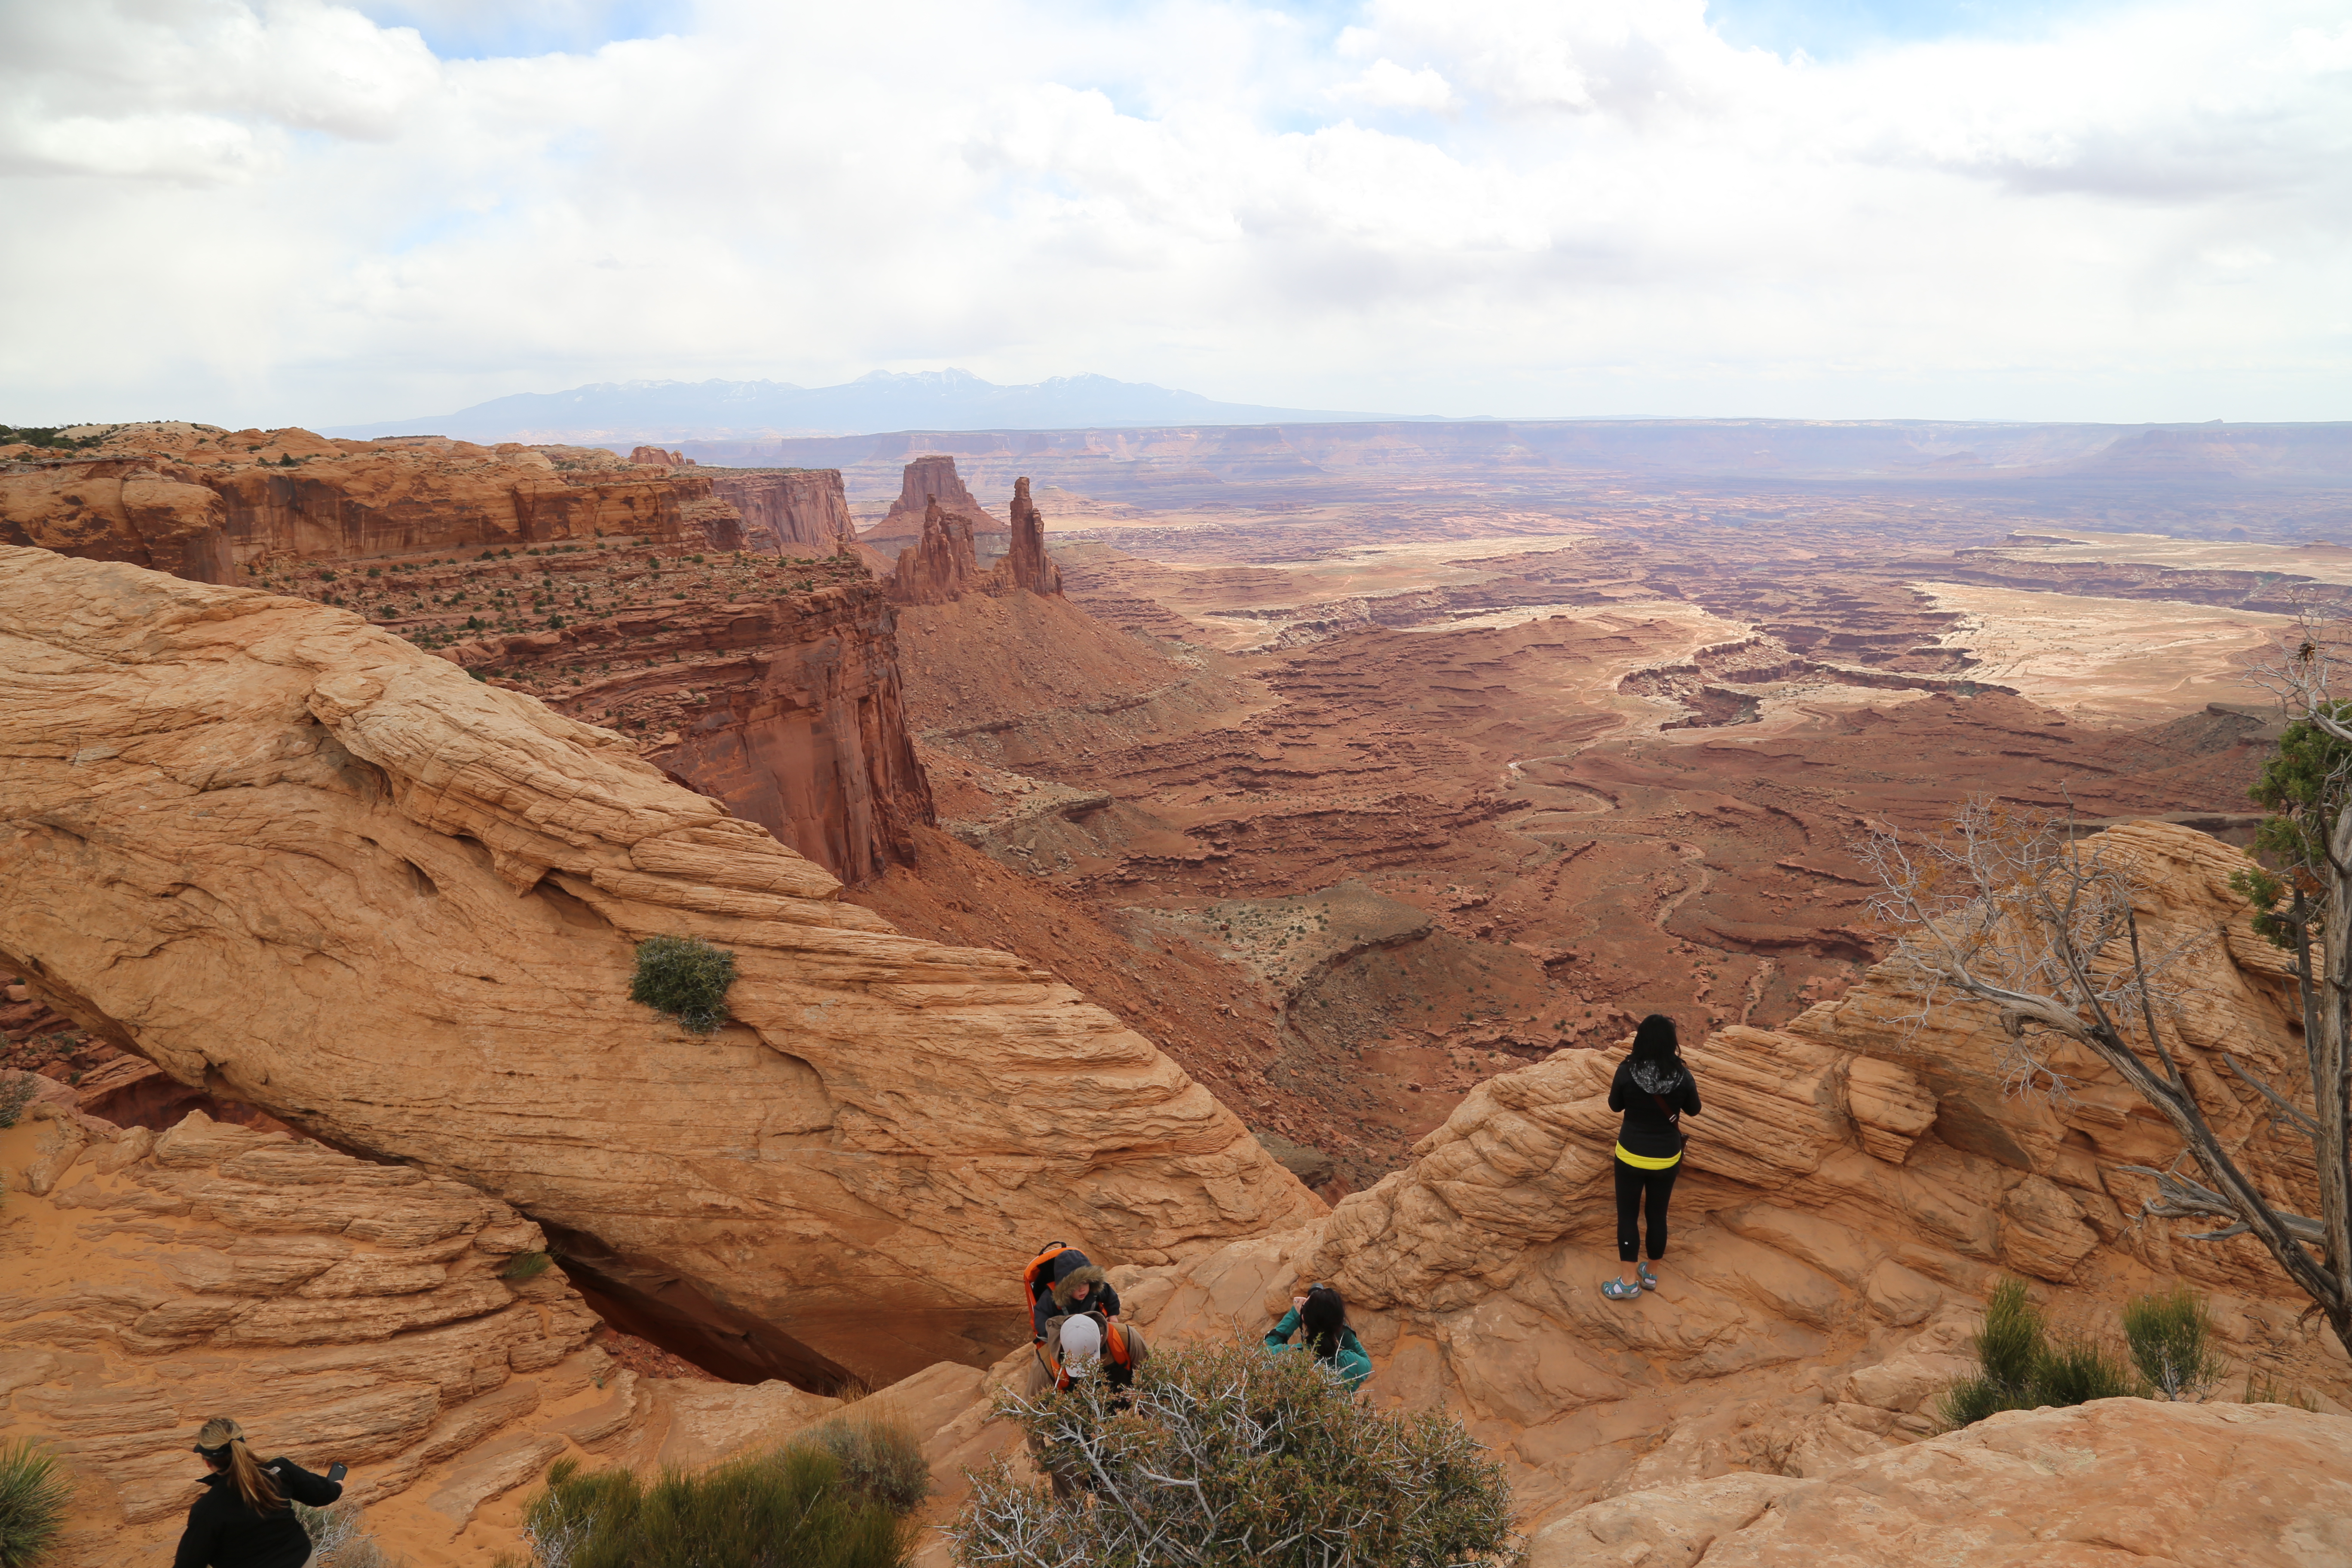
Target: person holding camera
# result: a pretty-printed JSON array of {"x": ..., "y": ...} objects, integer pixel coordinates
[{"x": 245, "y": 1519}]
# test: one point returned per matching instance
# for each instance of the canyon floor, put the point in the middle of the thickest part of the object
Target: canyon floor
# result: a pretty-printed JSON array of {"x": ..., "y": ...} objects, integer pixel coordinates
[{"x": 1391, "y": 787}]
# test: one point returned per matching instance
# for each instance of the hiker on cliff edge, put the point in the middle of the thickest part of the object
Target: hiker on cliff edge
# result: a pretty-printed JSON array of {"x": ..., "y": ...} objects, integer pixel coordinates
[
  {"x": 1060, "y": 1281},
  {"x": 1656, "y": 1091}
]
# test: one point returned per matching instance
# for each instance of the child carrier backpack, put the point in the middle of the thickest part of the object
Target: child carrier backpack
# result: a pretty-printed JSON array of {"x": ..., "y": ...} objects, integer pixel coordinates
[{"x": 1034, "y": 1283}]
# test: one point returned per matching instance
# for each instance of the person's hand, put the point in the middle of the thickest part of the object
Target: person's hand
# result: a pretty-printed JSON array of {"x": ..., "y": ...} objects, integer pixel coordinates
[{"x": 1299, "y": 1302}]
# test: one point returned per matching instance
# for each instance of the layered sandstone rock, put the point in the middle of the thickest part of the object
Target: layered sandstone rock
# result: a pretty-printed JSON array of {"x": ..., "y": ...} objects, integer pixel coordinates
[
  {"x": 296, "y": 861},
  {"x": 940, "y": 567},
  {"x": 293, "y": 495},
  {"x": 656, "y": 457},
  {"x": 930, "y": 477},
  {"x": 150, "y": 514},
  {"x": 397, "y": 1321},
  {"x": 2117, "y": 1480},
  {"x": 789, "y": 511}
]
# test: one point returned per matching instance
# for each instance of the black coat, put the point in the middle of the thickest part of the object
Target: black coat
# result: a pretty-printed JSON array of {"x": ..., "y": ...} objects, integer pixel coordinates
[
  {"x": 224, "y": 1532},
  {"x": 1646, "y": 1130},
  {"x": 1051, "y": 1298}
]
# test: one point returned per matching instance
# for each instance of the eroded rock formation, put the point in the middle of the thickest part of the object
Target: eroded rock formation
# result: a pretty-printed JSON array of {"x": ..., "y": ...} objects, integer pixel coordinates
[
  {"x": 1025, "y": 563},
  {"x": 930, "y": 478},
  {"x": 940, "y": 567},
  {"x": 296, "y": 861},
  {"x": 397, "y": 1321},
  {"x": 658, "y": 458},
  {"x": 789, "y": 511},
  {"x": 148, "y": 513}
]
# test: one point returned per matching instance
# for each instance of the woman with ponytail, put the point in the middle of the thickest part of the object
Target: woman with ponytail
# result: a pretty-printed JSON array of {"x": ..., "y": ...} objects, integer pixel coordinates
[
  {"x": 1324, "y": 1317},
  {"x": 245, "y": 1520}
]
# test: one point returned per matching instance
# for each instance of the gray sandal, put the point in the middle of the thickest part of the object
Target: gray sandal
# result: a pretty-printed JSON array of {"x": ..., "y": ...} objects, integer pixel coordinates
[
  {"x": 1618, "y": 1290},
  {"x": 1649, "y": 1281}
]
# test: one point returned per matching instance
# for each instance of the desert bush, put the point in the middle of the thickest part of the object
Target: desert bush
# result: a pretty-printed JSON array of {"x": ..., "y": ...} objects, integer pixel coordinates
[
  {"x": 2171, "y": 1338},
  {"x": 879, "y": 1461},
  {"x": 526, "y": 1266},
  {"x": 2263, "y": 1389},
  {"x": 34, "y": 1492},
  {"x": 2022, "y": 1365},
  {"x": 339, "y": 1537},
  {"x": 685, "y": 977},
  {"x": 1222, "y": 1453},
  {"x": 16, "y": 1093},
  {"x": 793, "y": 1509}
]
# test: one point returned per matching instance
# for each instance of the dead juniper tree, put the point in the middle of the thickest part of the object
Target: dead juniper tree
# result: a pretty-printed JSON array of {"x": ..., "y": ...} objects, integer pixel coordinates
[
  {"x": 2012, "y": 909},
  {"x": 1223, "y": 1456}
]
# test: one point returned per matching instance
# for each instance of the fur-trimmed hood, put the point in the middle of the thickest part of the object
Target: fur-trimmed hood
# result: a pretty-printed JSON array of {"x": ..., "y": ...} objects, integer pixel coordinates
[{"x": 1065, "y": 1288}]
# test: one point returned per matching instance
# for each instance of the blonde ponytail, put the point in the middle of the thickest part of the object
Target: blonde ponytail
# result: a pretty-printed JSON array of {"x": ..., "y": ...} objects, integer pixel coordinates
[{"x": 222, "y": 1441}]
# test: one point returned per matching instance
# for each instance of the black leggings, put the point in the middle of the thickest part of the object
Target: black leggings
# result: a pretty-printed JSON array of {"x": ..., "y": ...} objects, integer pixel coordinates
[{"x": 1632, "y": 1184}]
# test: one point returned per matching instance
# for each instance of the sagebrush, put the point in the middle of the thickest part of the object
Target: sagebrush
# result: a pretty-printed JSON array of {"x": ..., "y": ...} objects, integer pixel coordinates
[
  {"x": 801, "y": 1506},
  {"x": 2022, "y": 1364},
  {"x": 34, "y": 1493},
  {"x": 2172, "y": 1342},
  {"x": 339, "y": 1537},
  {"x": 1222, "y": 1453},
  {"x": 685, "y": 977}
]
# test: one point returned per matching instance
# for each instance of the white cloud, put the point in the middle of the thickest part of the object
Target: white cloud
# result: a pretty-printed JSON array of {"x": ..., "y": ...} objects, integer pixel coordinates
[{"x": 285, "y": 211}]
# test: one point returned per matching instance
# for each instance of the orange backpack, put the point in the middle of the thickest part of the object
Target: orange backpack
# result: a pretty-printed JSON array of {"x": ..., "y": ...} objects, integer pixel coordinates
[
  {"x": 1036, "y": 1264},
  {"x": 1116, "y": 1350}
]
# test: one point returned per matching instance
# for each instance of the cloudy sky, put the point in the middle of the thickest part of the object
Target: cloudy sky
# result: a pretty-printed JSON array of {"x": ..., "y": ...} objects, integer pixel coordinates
[{"x": 290, "y": 211}]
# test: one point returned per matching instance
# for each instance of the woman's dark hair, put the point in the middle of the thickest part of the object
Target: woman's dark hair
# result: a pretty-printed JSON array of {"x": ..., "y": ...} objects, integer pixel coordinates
[
  {"x": 1323, "y": 1317},
  {"x": 1656, "y": 1040}
]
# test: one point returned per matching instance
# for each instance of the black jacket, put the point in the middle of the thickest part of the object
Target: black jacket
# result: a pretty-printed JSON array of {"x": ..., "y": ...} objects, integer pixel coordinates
[
  {"x": 1645, "y": 1130},
  {"x": 223, "y": 1532},
  {"x": 1053, "y": 1297}
]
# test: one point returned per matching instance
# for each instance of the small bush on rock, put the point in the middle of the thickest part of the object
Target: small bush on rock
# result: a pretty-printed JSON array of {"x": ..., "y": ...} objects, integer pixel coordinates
[
  {"x": 339, "y": 1537},
  {"x": 16, "y": 1093},
  {"x": 788, "y": 1510},
  {"x": 2021, "y": 1366},
  {"x": 34, "y": 1492},
  {"x": 1223, "y": 1453},
  {"x": 878, "y": 1459},
  {"x": 2171, "y": 1339},
  {"x": 685, "y": 977}
]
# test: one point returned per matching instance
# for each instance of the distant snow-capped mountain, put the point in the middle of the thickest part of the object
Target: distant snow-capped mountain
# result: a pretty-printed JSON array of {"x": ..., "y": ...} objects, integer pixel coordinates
[{"x": 882, "y": 401}]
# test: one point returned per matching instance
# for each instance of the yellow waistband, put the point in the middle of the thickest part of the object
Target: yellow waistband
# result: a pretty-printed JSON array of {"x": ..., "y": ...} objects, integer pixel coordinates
[{"x": 1644, "y": 1163}]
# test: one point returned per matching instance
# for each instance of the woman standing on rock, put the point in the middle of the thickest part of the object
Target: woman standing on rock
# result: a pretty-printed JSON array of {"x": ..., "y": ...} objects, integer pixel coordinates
[{"x": 1656, "y": 1091}]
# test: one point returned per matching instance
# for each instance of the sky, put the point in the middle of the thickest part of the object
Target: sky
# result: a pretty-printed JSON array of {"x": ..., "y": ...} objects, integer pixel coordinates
[{"x": 292, "y": 212}]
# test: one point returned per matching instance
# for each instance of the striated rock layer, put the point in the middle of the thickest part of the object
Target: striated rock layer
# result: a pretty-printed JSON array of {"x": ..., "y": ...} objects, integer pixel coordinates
[
  {"x": 789, "y": 511},
  {"x": 295, "y": 861},
  {"x": 940, "y": 567},
  {"x": 2114, "y": 1482}
]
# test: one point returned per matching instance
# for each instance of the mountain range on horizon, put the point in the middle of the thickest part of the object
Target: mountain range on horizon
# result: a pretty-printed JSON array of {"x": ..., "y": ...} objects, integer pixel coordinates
[{"x": 668, "y": 411}]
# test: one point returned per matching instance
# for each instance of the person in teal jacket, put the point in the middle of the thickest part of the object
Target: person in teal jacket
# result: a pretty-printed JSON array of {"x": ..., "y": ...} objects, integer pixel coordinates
[{"x": 1325, "y": 1317}]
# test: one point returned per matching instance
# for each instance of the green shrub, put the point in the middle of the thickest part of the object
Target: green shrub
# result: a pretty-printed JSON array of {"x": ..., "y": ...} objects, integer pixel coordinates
[
  {"x": 339, "y": 1537},
  {"x": 526, "y": 1266},
  {"x": 787, "y": 1510},
  {"x": 2171, "y": 1338},
  {"x": 1223, "y": 1453},
  {"x": 16, "y": 1093},
  {"x": 685, "y": 977},
  {"x": 2021, "y": 1366},
  {"x": 34, "y": 1492},
  {"x": 879, "y": 1461}
]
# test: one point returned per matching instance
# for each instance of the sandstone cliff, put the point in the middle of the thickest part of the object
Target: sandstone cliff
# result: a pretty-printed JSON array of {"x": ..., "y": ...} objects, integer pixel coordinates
[
  {"x": 294, "y": 860},
  {"x": 929, "y": 478},
  {"x": 1025, "y": 563},
  {"x": 789, "y": 511},
  {"x": 290, "y": 494}
]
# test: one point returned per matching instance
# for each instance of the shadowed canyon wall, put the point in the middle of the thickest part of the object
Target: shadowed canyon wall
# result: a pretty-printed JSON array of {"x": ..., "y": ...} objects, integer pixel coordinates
[{"x": 789, "y": 512}]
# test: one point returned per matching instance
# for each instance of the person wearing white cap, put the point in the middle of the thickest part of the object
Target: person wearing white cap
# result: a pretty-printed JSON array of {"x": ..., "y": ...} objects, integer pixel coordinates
[{"x": 1081, "y": 1341}]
